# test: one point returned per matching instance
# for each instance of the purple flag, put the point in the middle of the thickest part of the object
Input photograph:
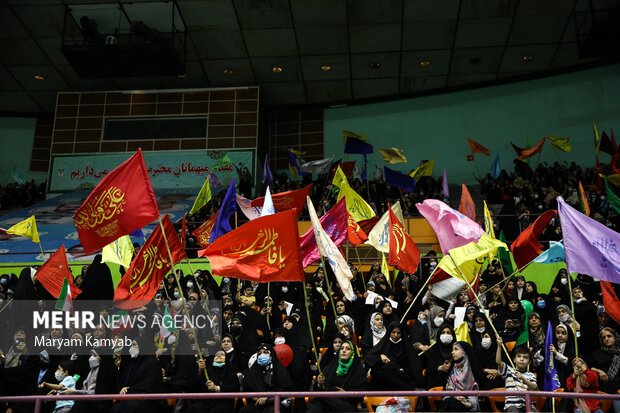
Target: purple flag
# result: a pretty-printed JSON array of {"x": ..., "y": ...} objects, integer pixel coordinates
[
  {"x": 267, "y": 175},
  {"x": 590, "y": 247},
  {"x": 214, "y": 180},
  {"x": 444, "y": 184},
  {"x": 136, "y": 233},
  {"x": 335, "y": 225}
]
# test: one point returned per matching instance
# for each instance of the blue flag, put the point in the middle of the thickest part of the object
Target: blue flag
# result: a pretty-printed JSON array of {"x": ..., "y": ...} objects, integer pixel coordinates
[
  {"x": 552, "y": 382},
  {"x": 355, "y": 145},
  {"x": 267, "y": 175},
  {"x": 295, "y": 161},
  {"x": 554, "y": 254},
  {"x": 229, "y": 206},
  {"x": 137, "y": 233},
  {"x": 495, "y": 170},
  {"x": 399, "y": 179}
]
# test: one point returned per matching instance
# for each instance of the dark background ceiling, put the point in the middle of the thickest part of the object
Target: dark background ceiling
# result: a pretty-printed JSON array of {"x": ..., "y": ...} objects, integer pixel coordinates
[{"x": 467, "y": 43}]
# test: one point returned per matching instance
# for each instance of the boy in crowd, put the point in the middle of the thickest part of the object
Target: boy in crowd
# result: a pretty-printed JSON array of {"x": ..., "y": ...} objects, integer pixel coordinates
[{"x": 516, "y": 380}]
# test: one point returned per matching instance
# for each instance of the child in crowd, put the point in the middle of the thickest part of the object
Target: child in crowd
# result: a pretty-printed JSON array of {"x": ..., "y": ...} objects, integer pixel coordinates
[
  {"x": 516, "y": 380},
  {"x": 64, "y": 374}
]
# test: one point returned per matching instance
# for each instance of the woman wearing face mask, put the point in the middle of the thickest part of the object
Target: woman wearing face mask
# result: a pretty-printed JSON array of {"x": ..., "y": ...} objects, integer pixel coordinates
[
  {"x": 245, "y": 337},
  {"x": 299, "y": 368},
  {"x": 232, "y": 358},
  {"x": 559, "y": 293},
  {"x": 374, "y": 334},
  {"x": 222, "y": 379},
  {"x": 564, "y": 315},
  {"x": 478, "y": 328},
  {"x": 89, "y": 386},
  {"x": 425, "y": 330},
  {"x": 393, "y": 362},
  {"x": 563, "y": 350},
  {"x": 586, "y": 316},
  {"x": 439, "y": 358},
  {"x": 485, "y": 351},
  {"x": 541, "y": 306},
  {"x": 463, "y": 375}
]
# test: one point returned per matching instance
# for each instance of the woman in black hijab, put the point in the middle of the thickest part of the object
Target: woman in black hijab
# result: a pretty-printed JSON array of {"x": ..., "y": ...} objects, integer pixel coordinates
[
  {"x": 332, "y": 352},
  {"x": 439, "y": 358},
  {"x": 97, "y": 284},
  {"x": 222, "y": 379}
]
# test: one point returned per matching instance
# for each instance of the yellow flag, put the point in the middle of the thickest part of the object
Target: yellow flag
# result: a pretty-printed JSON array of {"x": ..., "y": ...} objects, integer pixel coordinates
[
  {"x": 118, "y": 252},
  {"x": 339, "y": 177},
  {"x": 203, "y": 197},
  {"x": 470, "y": 257},
  {"x": 385, "y": 270},
  {"x": 560, "y": 144},
  {"x": 393, "y": 155},
  {"x": 27, "y": 228},
  {"x": 346, "y": 134},
  {"x": 425, "y": 169},
  {"x": 488, "y": 222},
  {"x": 356, "y": 205},
  {"x": 462, "y": 332},
  {"x": 596, "y": 137},
  {"x": 614, "y": 179}
]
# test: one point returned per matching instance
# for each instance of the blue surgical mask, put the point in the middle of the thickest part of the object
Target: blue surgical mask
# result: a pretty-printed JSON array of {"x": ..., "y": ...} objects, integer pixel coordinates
[
  {"x": 216, "y": 364},
  {"x": 4, "y": 281},
  {"x": 177, "y": 294},
  {"x": 541, "y": 304},
  {"x": 263, "y": 360}
]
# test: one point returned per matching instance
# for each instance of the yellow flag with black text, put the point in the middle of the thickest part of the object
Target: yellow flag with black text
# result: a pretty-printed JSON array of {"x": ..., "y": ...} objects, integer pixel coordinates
[
  {"x": 356, "y": 205},
  {"x": 119, "y": 252},
  {"x": 27, "y": 228}
]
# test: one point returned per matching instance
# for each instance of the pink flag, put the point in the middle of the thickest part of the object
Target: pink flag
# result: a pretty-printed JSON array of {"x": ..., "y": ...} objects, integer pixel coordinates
[
  {"x": 452, "y": 228},
  {"x": 335, "y": 225}
]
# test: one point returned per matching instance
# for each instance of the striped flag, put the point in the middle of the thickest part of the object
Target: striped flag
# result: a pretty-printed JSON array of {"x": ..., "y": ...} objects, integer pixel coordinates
[{"x": 65, "y": 301}]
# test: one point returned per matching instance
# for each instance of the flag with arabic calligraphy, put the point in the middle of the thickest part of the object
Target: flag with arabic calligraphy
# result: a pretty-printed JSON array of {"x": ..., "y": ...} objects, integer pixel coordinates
[
  {"x": 335, "y": 224},
  {"x": 203, "y": 232},
  {"x": 122, "y": 202},
  {"x": 356, "y": 234},
  {"x": 403, "y": 253},
  {"x": 54, "y": 271},
  {"x": 264, "y": 249},
  {"x": 470, "y": 257},
  {"x": 141, "y": 281},
  {"x": 284, "y": 201},
  {"x": 356, "y": 205},
  {"x": 379, "y": 236}
]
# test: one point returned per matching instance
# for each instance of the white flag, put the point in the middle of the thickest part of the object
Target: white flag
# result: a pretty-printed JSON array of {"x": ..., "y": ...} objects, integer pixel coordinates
[
  {"x": 249, "y": 211},
  {"x": 328, "y": 249},
  {"x": 268, "y": 208},
  {"x": 379, "y": 236},
  {"x": 321, "y": 167}
]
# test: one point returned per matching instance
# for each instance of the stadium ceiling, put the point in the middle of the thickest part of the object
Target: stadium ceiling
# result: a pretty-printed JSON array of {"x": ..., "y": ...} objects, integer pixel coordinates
[{"x": 313, "y": 52}]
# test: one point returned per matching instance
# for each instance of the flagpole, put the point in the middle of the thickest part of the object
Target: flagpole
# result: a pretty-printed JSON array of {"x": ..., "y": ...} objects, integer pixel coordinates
[
  {"x": 418, "y": 294},
  {"x": 316, "y": 354},
  {"x": 194, "y": 274},
  {"x": 572, "y": 308},
  {"x": 329, "y": 290},
  {"x": 42, "y": 253},
  {"x": 6, "y": 305},
  {"x": 360, "y": 269},
  {"x": 161, "y": 225},
  {"x": 268, "y": 295}
]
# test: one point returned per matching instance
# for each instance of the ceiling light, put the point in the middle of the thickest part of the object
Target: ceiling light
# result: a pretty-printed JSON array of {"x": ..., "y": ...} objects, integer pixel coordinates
[
  {"x": 326, "y": 68},
  {"x": 182, "y": 76},
  {"x": 229, "y": 72},
  {"x": 276, "y": 69},
  {"x": 527, "y": 58},
  {"x": 39, "y": 77},
  {"x": 375, "y": 65},
  {"x": 425, "y": 63}
]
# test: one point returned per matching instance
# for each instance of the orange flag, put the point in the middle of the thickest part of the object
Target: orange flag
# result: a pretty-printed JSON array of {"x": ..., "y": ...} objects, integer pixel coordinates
[
  {"x": 122, "y": 202},
  {"x": 53, "y": 272},
  {"x": 355, "y": 233},
  {"x": 529, "y": 152},
  {"x": 264, "y": 249},
  {"x": 583, "y": 201},
  {"x": 403, "y": 254},
  {"x": 203, "y": 232},
  {"x": 477, "y": 148},
  {"x": 286, "y": 200},
  {"x": 467, "y": 206},
  {"x": 141, "y": 281}
]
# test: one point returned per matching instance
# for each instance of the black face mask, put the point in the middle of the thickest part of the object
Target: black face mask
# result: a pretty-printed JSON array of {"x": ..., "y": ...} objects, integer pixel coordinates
[
  {"x": 43, "y": 365},
  {"x": 236, "y": 330}
]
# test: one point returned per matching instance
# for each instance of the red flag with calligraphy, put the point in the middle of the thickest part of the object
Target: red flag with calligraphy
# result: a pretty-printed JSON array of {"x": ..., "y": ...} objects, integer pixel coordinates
[
  {"x": 122, "y": 202},
  {"x": 335, "y": 224},
  {"x": 203, "y": 232},
  {"x": 355, "y": 233},
  {"x": 141, "y": 281},
  {"x": 53, "y": 272},
  {"x": 286, "y": 200},
  {"x": 526, "y": 247},
  {"x": 264, "y": 249},
  {"x": 403, "y": 254},
  {"x": 467, "y": 206}
]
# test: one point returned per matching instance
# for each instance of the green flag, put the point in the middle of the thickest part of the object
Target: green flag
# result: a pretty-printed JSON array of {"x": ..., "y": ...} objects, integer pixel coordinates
[
  {"x": 524, "y": 337},
  {"x": 504, "y": 256},
  {"x": 613, "y": 199},
  {"x": 203, "y": 197}
]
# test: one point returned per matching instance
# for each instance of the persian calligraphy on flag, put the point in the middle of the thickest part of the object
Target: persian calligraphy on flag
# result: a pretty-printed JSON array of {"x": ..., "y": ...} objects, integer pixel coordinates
[
  {"x": 379, "y": 236},
  {"x": 335, "y": 224},
  {"x": 426, "y": 169},
  {"x": 356, "y": 205},
  {"x": 203, "y": 232},
  {"x": 470, "y": 257},
  {"x": 403, "y": 252},
  {"x": 119, "y": 252}
]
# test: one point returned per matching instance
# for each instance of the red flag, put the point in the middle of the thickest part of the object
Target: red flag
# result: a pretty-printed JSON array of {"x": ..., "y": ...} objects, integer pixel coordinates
[
  {"x": 403, "y": 253},
  {"x": 439, "y": 275},
  {"x": 54, "y": 271},
  {"x": 284, "y": 201},
  {"x": 526, "y": 247},
  {"x": 607, "y": 145},
  {"x": 368, "y": 224},
  {"x": 335, "y": 224},
  {"x": 264, "y": 249},
  {"x": 467, "y": 206},
  {"x": 183, "y": 231},
  {"x": 477, "y": 148},
  {"x": 203, "y": 232},
  {"x": 141, "y": 281},
  {"x": 122, "y": 202},
  {"x": 615, "y": 162},
  {"x": 355, "y": 233},
  {"x": 610, "y": 301},
  {"x": 524, "y": 153}
]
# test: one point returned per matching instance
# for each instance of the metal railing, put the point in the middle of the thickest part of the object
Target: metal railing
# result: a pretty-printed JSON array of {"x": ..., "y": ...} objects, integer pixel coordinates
[{"x": 278, "y": 396}]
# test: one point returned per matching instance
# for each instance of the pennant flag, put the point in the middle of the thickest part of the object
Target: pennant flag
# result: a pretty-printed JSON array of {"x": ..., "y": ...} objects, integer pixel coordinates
[
  {"x": 356, "y": 205},
  {"x": 452, "y": 228},
  {"x": 477, "y": 148},
  {"x": 229, "y": 206},
  {"x": 346, "y": 134},
  {"x": 268, "y": 208},
  {"x": 583, "y": 201},
  {"x": 590, "y": 247},
  {"x": 612, "y": 198},
  {"x": 553, "y": 255},
  {"x": 529, "y": 152},
  {"x": 495, "y": 169},
  {"x": 203, "y": 232},
  {"x": 27, "y": 228},
  {"x": 385, "y": 270},
  {"x": 470, "y": 257},
  {"x": 504, "y": 255},
  {"x": 444, "y": 184},
  {"x": 328, "y": 249},
  {"x": 122, "y": 202},
  {"x": 137, "y": 233},
  {"x": 596, "y": 137},
  {"x": 321, "y": 166},
  {"x": 214, "y": 180},
  {"x": 335, "y": 222},
  {"x": 552, "y": 381},
  {"x": 379, "y": 236},
  {"x": 249, "y": 211},
  {"x": 467, "y": 206},
  {"x": 339, "y": 177},
  {"x": 462, "y": 333},
  {"x": 393, "y": 155},
  {"x": 356, "y": 234},
  {"x": 141, "y": 281},
  {"x": 614, "y": 179},
  {"x": 560, "y": 144},
  {"x": 18, "y": 175},
  {"x": 294, "y": 162},
  {"x": 426, "y": 169},
  {"x": 65, "y": 301},
  {"x": 203, "y": 197},
  {"x": 284, "y": 201},
  {"x": 264, "y": 250},
  {"x": 52, "y": 273},
  {"x": 119, "y": 251},
  {"x": 488, "y": 222},
  {"x": 355, "y": 145},
  {"x": 608, "y": 145},
  {"x": 267, "y": 175},
  {"x": 399, "y": 179},
  {"x": 610, "y": 301},
  {"x": 526, "y": 247},
  {"x": 403, "y": 252}
]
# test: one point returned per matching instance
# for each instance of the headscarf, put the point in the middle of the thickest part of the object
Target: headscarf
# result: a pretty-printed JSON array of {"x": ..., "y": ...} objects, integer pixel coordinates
[
  {"x": 538, "y": 333},
  {"x": 580, "y": 403},
  {"x": 565, "y": 307},
  {"x": 343, "y": 366},
  {"x": 615, "y": 352},
  {"x": 432, "y": 328},
  {"x": 461, "y": 376},
  {"x": 377, "y": 333},
  {"x": 347, "y": 321}
]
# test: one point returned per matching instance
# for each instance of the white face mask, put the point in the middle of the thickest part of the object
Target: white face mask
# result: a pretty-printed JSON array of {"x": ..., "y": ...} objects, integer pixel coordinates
[
  {"x": 59, "y": 376},
  {"x": 279, "y": 340},
  {"x": 564, "y": 281},
  {"x": 190, "y": 284},
  {"x": 480, "y": 329},
  {"x": 446, "y": 338},
  {"x": 134, "y": 351},
  {"x": 93, "y": 362},
  {"x": 438, "y": 321},
  {"x": 564, "y": 318},
  {"x": 285, "y": 289},
  {"x": 486, "y": 342},
  {"x": 172, "y": 339}
]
